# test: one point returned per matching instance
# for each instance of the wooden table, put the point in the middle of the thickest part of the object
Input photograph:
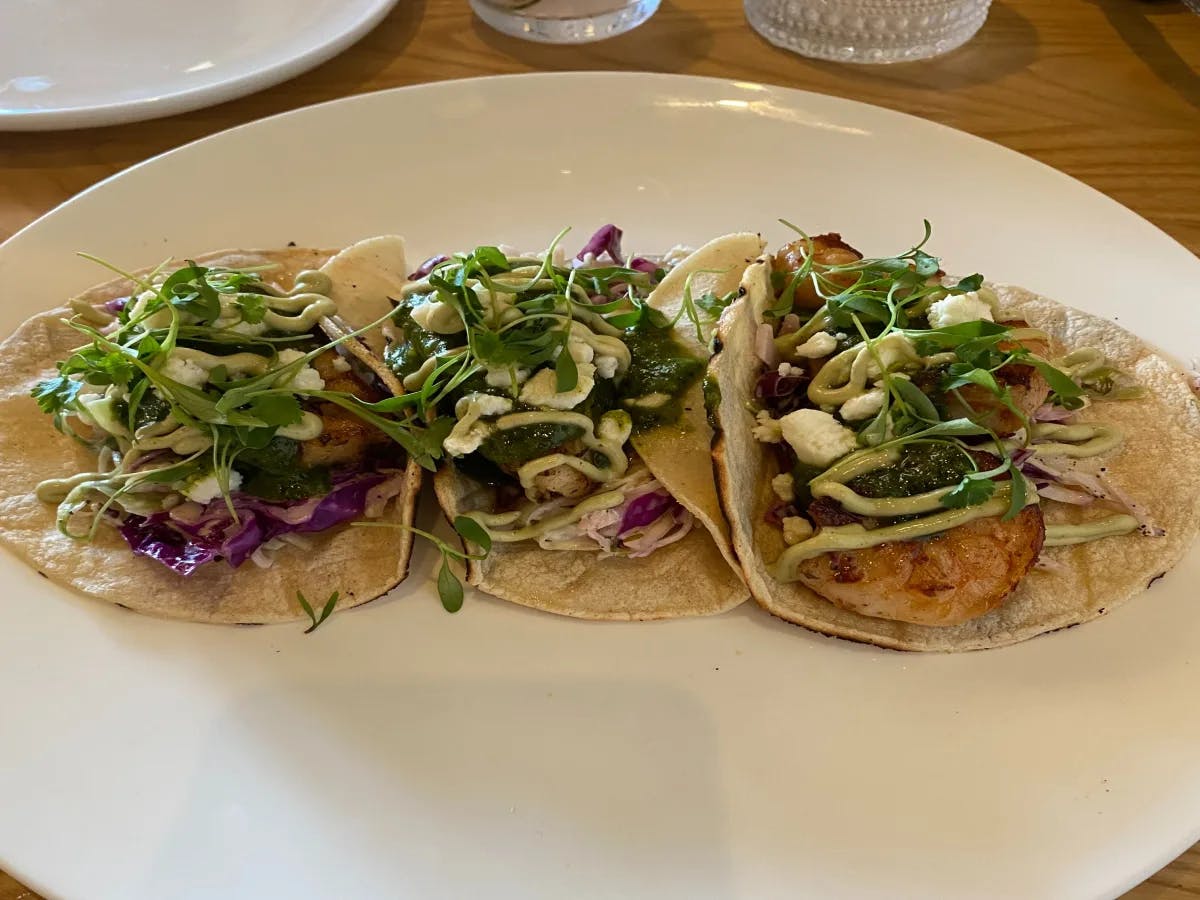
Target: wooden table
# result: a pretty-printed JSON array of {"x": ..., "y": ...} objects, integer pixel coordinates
[{"x": 1105, "y": 90}]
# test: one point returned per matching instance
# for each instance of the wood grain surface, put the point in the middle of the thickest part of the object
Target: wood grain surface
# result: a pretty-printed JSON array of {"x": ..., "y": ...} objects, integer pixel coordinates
[{"x": 1107, "y": 91}]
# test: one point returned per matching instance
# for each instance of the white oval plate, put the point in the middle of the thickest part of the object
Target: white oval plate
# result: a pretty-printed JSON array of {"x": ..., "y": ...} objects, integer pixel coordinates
[
  {"x": 401, "y": 751},
  {"x": 79, "y": 63}
]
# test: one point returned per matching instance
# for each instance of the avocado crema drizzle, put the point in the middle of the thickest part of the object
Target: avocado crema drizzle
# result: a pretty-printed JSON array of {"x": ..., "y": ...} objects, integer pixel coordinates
[
  {"x": 242, "y": 343},
  {"x": 883, "y": 345},
  {"x": 527, "y": 366}
]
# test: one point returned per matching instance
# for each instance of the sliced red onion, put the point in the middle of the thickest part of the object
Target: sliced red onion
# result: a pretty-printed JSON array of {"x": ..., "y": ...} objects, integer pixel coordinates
[
  {"x": 1063, "y": 494},
  {"x": 599, "y": 524},
  {"x": 644, "y": 264},
  {"x": 428, "y": 266},
  {"x": 607, "y": 239},
  {"x": 764, "y": 345},
  {"x": 674, "y": 526},
  {"x": 378, "y": 496},
  {"x": 1134, "y": 508},
  {"x": 790, "y": 324}
]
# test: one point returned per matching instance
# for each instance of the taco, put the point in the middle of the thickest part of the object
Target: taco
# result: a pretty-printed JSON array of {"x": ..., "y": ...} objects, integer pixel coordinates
[
  {"x": 570, "y": 400},
  {"x": 932, "y": 463},
  {"x": 215, "y": 443}
]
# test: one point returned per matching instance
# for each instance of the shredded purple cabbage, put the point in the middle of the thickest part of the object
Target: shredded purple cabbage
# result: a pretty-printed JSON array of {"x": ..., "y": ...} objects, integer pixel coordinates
[
  {"x": 151, "y": 538},
  {"x": 607, "y": 239},
  {"x": 643, "y": 510},
  {"x": 426, "y": 267},
  {"x": 185, "y": 544}
]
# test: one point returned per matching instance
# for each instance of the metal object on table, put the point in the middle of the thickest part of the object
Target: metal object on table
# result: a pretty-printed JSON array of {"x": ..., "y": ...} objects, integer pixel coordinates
[
  {"x": 564, "y": 21},
  {"x": 867, "y": 31}
]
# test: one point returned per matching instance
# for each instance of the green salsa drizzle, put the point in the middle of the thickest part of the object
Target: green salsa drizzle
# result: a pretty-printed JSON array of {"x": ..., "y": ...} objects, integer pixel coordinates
[
  {"x": 660, "y": 365},
  {"x": 922, "y": 467},
  {"x": 514, "y": 446}
]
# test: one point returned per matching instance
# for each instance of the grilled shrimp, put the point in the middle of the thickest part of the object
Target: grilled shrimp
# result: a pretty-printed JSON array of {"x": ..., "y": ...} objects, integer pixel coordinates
[
  {"x": 949, "y": 578},
  {"x": 345, "y": 437},
  {"x": 827, "y": 250},
  {"x": 1027, "y": 387}
]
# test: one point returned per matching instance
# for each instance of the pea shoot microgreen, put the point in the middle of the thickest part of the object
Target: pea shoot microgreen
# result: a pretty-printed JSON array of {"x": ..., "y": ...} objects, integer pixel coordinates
[
  {"x": 450, "y": 589},
  {"x": 317, "y": 618}
]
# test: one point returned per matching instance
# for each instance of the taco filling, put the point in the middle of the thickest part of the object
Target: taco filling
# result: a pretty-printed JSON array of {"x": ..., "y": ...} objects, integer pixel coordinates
[
  {"x": 538, "y": 370},
  {"x": 224, "y": 425},
  {"x": 926, "y": 445}
]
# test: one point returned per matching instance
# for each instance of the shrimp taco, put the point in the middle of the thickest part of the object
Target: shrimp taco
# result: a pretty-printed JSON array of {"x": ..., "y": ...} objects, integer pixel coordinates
[
  {"x": 569, "y": 397},
  {"x": 933, "y": 463},
  {"x": 214, "y": 443}
]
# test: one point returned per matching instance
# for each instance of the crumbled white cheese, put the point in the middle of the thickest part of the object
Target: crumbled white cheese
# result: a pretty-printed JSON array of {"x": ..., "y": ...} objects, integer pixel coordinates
[
  {"x": 607, "y": 366},
  {"x": 820, "y": 344},
  {"x": 309, "y": 427},
  {"x": 784, "y": 486},
  {"x": 465, "y": 438},
  {"x": 488, "y": 404},
  {"x": 306, "y": 379},
  {"x": 205, "y": 488},
  {"x": 959, "y": 308},
  {"x": 184, "y": 371},
  {"x": 892, "y": 350},
  {"x": 468, "y": 432},
  {"x": 502, "y": 377},
  {"x": 817, "y": 438},
  {"x": 340, "y": 363},
  {"x": 787, "y": 370},
  {"x": 541, "y": 389},
  {"x": 767, "y": 430},
  {"x": 581, "y": 351},
  {"x": 250, "y": 329},
  {"x": 863, "y": 406},
  {"x": 796, "y": 529}
]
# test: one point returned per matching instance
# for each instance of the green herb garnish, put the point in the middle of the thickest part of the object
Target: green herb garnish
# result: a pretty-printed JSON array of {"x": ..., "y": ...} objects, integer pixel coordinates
[{"x": 316, "y": 618}]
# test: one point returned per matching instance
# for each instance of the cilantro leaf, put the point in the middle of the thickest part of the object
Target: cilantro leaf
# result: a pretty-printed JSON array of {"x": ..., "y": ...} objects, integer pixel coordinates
[
  {"x": 713, "y": 304},
  {"x": 971, "y": 491},
  {"x": 253, "y": 307},
  {"x": 189, "y": 291},
  {"x": 55, "y": 396}
]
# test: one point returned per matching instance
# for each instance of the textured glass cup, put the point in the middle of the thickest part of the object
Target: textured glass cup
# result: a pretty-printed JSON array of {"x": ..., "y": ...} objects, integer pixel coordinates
[
  {"x": 564, "y": 21},
  {"x": 867, "y": 31}
]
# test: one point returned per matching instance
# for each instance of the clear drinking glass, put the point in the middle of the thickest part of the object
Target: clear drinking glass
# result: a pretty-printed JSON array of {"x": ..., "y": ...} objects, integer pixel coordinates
[
  {"x": 867, "y": 31},
  {"x": 564, "y": 21}
]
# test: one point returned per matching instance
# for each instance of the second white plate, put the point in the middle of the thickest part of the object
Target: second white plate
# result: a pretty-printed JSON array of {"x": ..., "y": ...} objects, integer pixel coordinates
[{"x": 79, "y": 63}]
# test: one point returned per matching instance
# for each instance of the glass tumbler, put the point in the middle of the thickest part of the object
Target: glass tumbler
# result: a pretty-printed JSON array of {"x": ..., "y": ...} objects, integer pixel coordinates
[
  {"x": 564, "y": 21},
  {"x": 867, "y": 31}
]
